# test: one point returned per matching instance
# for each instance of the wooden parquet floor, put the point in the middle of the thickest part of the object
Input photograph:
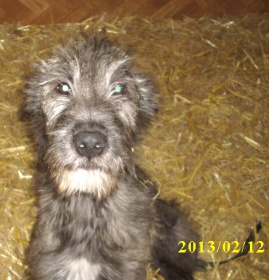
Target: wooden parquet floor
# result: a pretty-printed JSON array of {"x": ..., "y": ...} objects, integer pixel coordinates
[{"x": 62, "y": 11}]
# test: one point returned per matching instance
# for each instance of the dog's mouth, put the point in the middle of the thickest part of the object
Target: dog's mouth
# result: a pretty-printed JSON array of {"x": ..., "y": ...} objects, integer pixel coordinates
[
  {"x": 94, "y": 169},
  {"x": 96, "y": 182},
  {"x": 83, "y": 163}
]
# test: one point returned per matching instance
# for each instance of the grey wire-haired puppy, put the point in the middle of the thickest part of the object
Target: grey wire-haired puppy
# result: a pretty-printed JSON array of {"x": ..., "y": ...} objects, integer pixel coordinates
[{"x": 98, "y": 216}]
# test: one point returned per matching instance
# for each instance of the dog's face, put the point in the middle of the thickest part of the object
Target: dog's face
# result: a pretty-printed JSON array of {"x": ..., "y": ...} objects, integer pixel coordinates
[{"x": 87, "y": 104}]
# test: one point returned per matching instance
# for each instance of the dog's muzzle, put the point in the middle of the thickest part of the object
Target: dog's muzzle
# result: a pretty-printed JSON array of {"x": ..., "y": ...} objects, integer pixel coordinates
[{"x": 90, "y": 143}]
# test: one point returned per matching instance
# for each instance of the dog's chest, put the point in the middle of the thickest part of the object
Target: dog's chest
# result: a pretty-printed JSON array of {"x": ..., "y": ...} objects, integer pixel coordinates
[
  {"x": 96, "y": 239},
  {"x": 82, "y": 269}
]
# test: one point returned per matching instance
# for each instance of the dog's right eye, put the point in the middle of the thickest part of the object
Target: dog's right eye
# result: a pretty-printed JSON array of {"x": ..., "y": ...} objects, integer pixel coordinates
[
  {"x": 119, "y": 89},
  {"x": 63, "y": 88}
]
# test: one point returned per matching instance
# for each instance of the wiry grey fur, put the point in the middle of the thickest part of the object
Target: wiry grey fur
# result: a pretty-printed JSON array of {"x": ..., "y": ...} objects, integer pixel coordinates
[{"x": 98, "y": 216}]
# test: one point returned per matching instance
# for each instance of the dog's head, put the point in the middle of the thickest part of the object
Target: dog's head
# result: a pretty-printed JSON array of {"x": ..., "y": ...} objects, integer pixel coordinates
[{"x": 87, "y": 105}]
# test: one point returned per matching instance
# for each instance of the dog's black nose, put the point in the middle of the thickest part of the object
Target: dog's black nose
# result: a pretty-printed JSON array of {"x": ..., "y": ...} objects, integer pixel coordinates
[{"x": 90, "y": 143}]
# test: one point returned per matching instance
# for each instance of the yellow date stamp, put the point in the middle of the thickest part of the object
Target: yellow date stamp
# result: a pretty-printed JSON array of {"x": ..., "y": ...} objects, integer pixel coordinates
[{"x": 233, "y": 247}]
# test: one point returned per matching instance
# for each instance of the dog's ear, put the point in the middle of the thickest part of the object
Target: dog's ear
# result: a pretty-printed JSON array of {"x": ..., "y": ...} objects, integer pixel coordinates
[{"x": 148, "y": 94}]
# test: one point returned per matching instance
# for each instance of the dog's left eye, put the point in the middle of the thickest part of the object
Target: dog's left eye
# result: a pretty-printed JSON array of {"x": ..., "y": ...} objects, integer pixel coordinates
[
  {"x": 119, "y": 89},
  {"x": 63, "y": 88}
]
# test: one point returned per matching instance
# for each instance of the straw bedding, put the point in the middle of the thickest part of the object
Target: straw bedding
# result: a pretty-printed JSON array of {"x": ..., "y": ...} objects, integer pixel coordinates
[{"x": 208, "y": 148}]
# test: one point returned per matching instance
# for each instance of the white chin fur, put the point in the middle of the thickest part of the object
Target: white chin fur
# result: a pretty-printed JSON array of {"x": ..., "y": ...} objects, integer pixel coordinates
[{"x": 96, "y": 182}]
